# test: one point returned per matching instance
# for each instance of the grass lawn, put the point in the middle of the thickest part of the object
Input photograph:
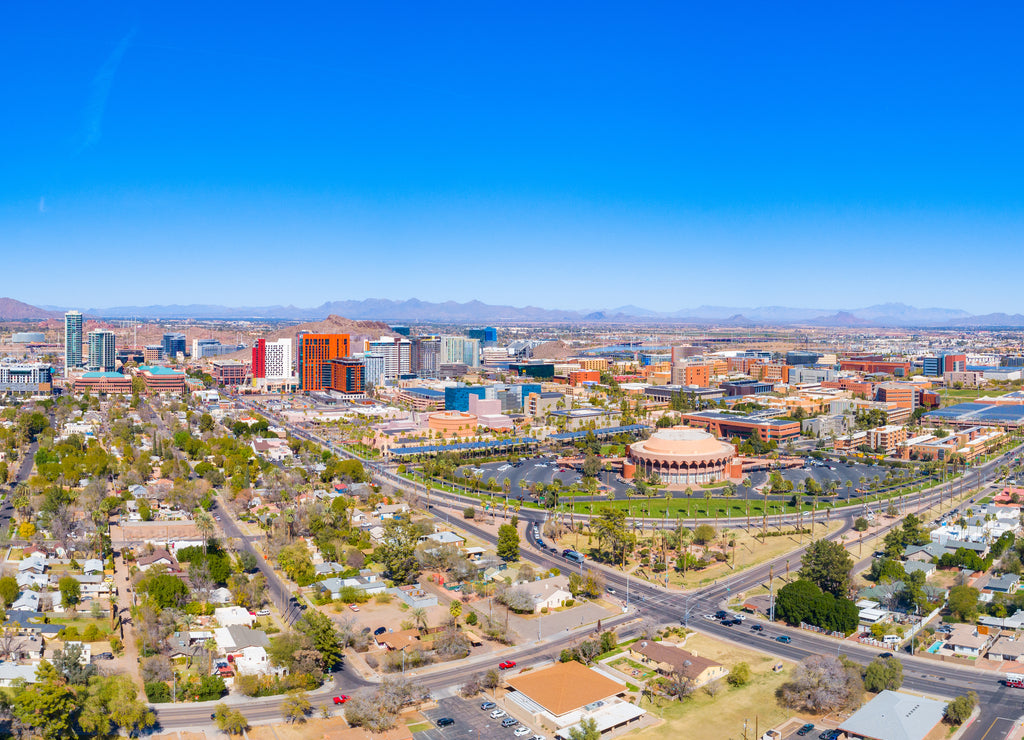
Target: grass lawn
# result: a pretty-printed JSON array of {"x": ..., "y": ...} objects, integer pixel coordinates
[{"x": 722, "y": 716}]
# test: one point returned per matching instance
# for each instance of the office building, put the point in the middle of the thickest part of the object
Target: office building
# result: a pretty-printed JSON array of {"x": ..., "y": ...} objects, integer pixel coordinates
[
  {"x": 131, "y": 355},
  {"x": 486, "y": 336},
  {"x": 900, "y": 369},
  {"x": 28, "y": 337},
  {"x": 316, "y": 351},
  {"x": 102, "y": 352},
  {"x": 935, "y": 366},
  {"x": 457, "y": 398},
  {"x": 426, "y": 356},
  {"x": 272, "y": 360},
  {"x": 460, "y": 350},
  {"x": 346, "y": 375},
  {"x": 158, "y": 379},
  {"x": 397, "y": 355},
  {"x": 173, "y": 343},
  {"x": 229, "y": 372},
  {"x": 373, "y": 369},
  {"x": 533, "y": 369},
  {"x": 213, "y": 348},
  {"x": 28, "y": 378},
  {"x": 152, "y": 353},
  {"x": 72, "y": 341},
  {"x": 727, "y": 426},
  {"x": 747, "y": 387},
  {"x": 802, "y": 357}
]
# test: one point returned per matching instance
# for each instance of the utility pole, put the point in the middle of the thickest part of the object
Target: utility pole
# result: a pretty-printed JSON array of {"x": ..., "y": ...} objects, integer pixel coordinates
[{"x": 771, "y": 593}]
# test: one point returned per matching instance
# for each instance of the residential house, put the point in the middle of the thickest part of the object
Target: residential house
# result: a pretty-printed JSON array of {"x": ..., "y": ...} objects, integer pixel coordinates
[
  {"x": 91, "y": 586},
  {"x": 35, "y": 564},
  {"x": 229, "y": 616},
  {"x": 924, "y": 553},
  {"x": 474, "y": 553},
  {"x": 1006, "y": 648},
  {"x": 444, "y": 538},
  {"x": 237, "y": 637},
  {"x": 913, "y": 566},
  {"x": 27, "y": 622},
  {"x": 401, "y": 640},
  {"x": 667, "y": 659},
  {"x": 221, "y": 595},
  {"x": 159, "y": 557},
  {"x": 894, "y": 715},
  {"x": 93, "y": 566},
  {"x": 1007, "y": 583},
  {"x": 368, "y": 583},
  {"x": 549, "y": 593},
  {"x": 27, "y": 601},
  {"x": 254, "y": 661},
  {"x": 329, "y": 569},
  {"x": 390, "y": 511},
  {"x": 29, "y": 580},
  {"x": 22, "y": 647},
  {"x": 12, "y": 672},
  {"x": 965, "y": 640}
]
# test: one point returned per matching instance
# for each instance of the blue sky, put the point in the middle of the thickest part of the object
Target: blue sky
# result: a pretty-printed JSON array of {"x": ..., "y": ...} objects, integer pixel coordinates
[{"x": 557, "y": 154}]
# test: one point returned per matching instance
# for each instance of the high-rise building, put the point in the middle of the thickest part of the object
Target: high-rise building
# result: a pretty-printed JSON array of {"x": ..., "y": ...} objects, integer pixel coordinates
[
  {"x": 102, "y": 351},
  {"x": 346, "y": 375},
  {"x": 173, "y": 343},
  {"x": 460, "y": 350},
  {"x": 259, "y": 353},
  {"x": 72, "y": 341},
  {"x": 397, "y": 356},
  {"x": 373, "y": 369},
  {"x": 277, "y": 359},
  {"x": 936, "y": 366},
  {"x": 426, "y": 356},
  {"x": 316, "y": 350}
]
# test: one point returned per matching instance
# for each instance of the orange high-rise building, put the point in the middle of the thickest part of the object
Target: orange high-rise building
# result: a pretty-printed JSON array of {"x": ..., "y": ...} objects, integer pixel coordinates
[{"x": 315, "y": 352}]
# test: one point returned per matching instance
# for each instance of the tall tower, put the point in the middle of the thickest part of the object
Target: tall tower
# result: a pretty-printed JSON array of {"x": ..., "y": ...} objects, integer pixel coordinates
[
  {"x": 102, "y": 350},
  {"x": 72, "y": 341}
]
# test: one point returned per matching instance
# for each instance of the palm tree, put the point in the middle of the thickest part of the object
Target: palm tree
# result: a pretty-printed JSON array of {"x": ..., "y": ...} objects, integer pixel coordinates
[
  {"x": 204, "y": 523},
  {"x": 419, "y": 618}
]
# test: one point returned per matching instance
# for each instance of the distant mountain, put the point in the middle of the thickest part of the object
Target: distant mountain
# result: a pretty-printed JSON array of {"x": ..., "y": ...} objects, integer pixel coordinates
[
  {"x": 12, "y": 310},
  {"x": 476, "y": 312}
]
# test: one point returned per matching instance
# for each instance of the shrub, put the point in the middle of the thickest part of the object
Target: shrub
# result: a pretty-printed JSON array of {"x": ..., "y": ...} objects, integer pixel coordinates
[
  {"x": 158, "y": 691},
  {"x": 469, "y": 513},
  {"x": 91, "y": 634},
  {"x": 471, "y": 618}
]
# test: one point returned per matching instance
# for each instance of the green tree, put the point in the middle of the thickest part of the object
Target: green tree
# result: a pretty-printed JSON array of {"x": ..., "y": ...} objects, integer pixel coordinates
[
  {"x": 205, "y": 423},
  {"x": 591, "y": 466},
  {"x": 827, "y": 565},
  {"x": 48, "y": 706},
  {"x": 508, "y": 543},
  {"x": 963, "y": 603},
  {"x": 229, "y": 720},
  {"x": 397, "y": 551},
  {"x": 704, "y": 534},
  {"x": 112, "y": 704},
  {"x": 324, "y": 637},
  {"x": 70, "y": 591},
  {"x": 166, "y": 591},
  {"x": 585, "y": 730},
  {"x": 455, "y": 609},
  {"x": 9, "y": 590},
  {"x": 739, "y": 675},
  {"x": 959, "y": 710},
  {"x": 297, "y": 707},
  {"x": 883, "y": 674}
]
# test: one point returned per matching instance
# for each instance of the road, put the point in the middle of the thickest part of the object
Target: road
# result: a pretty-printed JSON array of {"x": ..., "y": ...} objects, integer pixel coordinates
[{"x": 999, "y": 705}]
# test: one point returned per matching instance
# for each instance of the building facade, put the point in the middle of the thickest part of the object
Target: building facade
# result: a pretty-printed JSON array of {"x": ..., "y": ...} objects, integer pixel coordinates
[
  {"x": 397, "y": 355},
  {"x": 346, "y": 375},
  {"x": 72, "y": 341},
  {"x": 173, "y": 343},
  {"x": 102, "y": 351},
  {"x": 36, "y": 377},
  {"x": 317, "y": 351}
]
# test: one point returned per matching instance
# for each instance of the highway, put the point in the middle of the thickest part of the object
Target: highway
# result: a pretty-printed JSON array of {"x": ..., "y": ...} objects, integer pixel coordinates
[{"x": 1000, "y": 707}]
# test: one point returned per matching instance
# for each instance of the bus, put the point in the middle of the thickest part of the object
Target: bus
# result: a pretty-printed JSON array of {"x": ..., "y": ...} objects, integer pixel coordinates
[{"x": 574, "y": 556}]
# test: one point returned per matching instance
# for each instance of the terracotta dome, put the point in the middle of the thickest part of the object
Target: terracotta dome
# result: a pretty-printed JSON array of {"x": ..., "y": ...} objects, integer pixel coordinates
[{"x": 681, "y": 455}]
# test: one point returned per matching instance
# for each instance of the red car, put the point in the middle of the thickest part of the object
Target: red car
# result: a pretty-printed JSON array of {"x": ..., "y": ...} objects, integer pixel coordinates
[
  {"x": 341, "y": 699},
  {"x": 507, "y": 664}
]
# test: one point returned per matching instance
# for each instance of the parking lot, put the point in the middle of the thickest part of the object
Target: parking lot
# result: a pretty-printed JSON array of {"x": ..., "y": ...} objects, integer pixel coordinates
[
  {"x": 535, "y": 470},
  {"x": 471, "y": 722}
]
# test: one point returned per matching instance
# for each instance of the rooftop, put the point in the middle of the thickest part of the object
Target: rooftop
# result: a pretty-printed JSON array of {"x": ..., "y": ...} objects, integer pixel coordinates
[
  {"x": 895, "y": 716},
  {"x": 564, "y": 687}
]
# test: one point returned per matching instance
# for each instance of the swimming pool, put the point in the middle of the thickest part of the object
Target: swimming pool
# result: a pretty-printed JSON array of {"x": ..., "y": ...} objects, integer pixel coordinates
[{"x": 936, "y": 647}]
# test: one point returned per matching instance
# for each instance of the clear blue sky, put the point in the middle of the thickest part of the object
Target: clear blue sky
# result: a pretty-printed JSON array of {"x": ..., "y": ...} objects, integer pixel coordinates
[{"x": 565, "y": 155}]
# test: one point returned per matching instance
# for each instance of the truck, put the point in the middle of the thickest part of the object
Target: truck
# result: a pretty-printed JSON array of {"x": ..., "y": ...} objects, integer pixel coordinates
[
  {"x": 772, "y": 735},
  {"x": 1014, "y": 680}
]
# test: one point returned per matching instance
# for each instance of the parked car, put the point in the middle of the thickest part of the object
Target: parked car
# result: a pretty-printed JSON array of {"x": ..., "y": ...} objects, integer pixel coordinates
[
  {"x": 784, "y": 638},
  {"x": 522, "y": 730},
  {"x": 445, "y": 722},
  {"x": 505, "y": 665},
  {"x": 805, "y": 729},
  {"x": 380, "y": 631},
  {"x": 509, "y": 722},
  {"x": 497, "y": 714},
  {"x": 263, "y": 613},
  {"x": 488, "y": 705},
  {"x": 354, "y": 607},
  {"x": 341, "y": 699},
  {"x": 104, "y": 656}
]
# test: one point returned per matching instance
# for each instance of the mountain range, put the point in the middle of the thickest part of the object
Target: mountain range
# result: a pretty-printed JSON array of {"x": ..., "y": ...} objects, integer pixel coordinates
[{"x": 476, "y": 312}]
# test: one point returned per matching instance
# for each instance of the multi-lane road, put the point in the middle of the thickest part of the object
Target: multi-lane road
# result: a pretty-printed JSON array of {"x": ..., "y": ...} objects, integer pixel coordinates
[{"x": 1001, "y": 708}]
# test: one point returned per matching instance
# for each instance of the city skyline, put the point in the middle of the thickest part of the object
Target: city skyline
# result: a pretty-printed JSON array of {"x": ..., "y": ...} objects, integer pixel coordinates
[{"x": 666, "y": 158}]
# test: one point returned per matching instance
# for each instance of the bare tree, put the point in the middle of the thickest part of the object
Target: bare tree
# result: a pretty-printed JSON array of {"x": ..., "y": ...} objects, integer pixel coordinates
[{"x": 822, "y": 683}]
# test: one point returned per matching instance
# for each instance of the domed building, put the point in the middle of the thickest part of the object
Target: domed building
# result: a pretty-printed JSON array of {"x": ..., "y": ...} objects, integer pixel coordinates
[
  {"x": 452, "y": 423},
  {"x": 682, "y": 456}
]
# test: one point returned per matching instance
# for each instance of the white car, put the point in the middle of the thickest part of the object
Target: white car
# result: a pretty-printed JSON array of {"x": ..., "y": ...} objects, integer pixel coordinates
[
  {"x": 497, "y": 714},
  {"x": 740, "y": 617},
  {"x": 263, "y": 613},
  {"x": 521, "y": 730},
  {"x": 538, "y": 737},
  {"x": 709, "y": 617}
]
